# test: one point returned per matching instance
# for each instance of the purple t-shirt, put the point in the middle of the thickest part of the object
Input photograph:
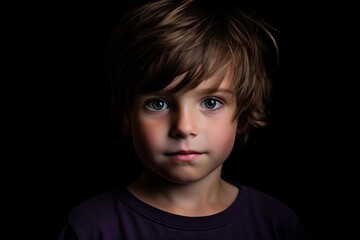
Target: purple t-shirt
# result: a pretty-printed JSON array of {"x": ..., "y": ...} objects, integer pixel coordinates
[{"x": 119, "y": 215}]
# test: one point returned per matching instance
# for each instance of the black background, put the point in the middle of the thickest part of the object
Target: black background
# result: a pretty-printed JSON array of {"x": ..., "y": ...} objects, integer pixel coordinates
[{"x": 65, "y": 148}]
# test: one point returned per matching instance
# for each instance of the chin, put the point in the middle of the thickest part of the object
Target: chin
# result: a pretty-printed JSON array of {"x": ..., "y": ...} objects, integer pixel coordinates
[{"x": 182, "y": 178}]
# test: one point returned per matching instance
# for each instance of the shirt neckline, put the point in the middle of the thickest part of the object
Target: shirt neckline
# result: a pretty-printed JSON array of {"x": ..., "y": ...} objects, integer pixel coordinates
[{"x": 186, "y": 222}]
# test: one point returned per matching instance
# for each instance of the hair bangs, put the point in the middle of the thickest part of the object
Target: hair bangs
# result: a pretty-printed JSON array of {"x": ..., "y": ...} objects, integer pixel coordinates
[{"x": 187, "y": 67}]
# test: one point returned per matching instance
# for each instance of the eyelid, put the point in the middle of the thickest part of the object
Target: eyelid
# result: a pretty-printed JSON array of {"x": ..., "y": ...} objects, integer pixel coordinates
[
  {"x": 150, "y": 99},
  {"x": 217, "y": 98}
]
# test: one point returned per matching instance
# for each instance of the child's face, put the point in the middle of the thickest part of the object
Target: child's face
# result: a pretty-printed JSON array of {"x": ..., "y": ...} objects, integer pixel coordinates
[{"x": 185, "y": 136}]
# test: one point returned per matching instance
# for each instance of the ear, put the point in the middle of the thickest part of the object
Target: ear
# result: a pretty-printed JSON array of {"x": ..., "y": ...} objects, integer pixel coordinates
[
  {"x": 126, "y": 128},
  {"x": 242, "y": 127}
]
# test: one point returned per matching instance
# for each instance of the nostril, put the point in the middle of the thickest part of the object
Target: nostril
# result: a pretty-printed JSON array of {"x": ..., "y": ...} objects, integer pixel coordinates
[{"x": 184, "y": 122}]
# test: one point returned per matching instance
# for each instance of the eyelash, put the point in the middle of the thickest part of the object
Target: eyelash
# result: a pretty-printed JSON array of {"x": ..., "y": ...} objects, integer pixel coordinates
[
  {"x": 215, "y": 100},
  {"x": 150, "y": 104}
]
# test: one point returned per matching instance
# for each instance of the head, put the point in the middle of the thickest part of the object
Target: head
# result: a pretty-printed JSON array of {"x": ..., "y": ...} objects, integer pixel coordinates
[{"x": 191, "y": 40}]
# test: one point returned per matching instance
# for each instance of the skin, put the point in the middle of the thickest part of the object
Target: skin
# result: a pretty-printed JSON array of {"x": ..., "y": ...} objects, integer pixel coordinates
[{"x": 183, "y": 140}]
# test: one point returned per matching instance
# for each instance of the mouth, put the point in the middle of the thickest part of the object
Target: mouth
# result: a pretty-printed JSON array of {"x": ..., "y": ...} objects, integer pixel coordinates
[{"x": 184, "y": 155}]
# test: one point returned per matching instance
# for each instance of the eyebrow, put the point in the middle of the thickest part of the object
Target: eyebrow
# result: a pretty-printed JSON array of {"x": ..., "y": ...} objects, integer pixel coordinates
[
  {"x": 200, "y": 91},
  {"x": 215, "y": 90}
]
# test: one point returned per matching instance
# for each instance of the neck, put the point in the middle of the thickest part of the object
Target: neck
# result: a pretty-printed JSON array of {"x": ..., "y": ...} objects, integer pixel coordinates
[{"x": 203, "y": 197}]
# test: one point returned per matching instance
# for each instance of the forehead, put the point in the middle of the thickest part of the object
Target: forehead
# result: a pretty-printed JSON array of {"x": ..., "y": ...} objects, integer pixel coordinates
[{"x": 212, "y": 83}]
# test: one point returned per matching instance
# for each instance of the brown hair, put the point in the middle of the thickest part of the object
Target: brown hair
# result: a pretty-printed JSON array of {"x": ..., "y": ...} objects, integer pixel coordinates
[{"x": 160, "y": 40}]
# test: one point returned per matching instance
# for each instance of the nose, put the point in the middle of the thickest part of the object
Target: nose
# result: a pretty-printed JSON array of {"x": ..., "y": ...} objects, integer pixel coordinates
[{"x": 184, "y": 124}]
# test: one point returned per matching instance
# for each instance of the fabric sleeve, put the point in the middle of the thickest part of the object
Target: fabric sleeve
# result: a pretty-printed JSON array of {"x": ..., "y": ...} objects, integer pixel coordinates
[{"x": 66, "y": 232}]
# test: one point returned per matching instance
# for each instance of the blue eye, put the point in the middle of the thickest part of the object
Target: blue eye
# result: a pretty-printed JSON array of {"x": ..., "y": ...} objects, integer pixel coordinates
[
  {"x": 211, "y": 104},
  {"x": 156, "y": 105}
]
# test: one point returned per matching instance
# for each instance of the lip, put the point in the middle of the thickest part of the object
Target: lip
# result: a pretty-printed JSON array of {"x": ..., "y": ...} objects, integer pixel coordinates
[{"x": 184, "y": 155}]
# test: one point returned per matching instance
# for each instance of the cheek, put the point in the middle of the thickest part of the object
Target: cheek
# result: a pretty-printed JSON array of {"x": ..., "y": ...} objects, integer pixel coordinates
[
  {"x": 146, "y": 135},
  {"x": 222, "y": 139}
]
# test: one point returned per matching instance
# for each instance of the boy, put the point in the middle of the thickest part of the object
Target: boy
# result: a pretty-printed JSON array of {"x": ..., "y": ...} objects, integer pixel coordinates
[{"x": 189, "y": 78}]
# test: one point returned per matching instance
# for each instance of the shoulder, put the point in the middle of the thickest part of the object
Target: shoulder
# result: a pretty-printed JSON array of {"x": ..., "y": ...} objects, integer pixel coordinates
[
  {"x": 101, "y": 200},
  {"x": 96, "y": 209},
  {"x": 266, "y": 210},
  {"x": 267, "y": 203},
  {"x": 94, "y": 218}
]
